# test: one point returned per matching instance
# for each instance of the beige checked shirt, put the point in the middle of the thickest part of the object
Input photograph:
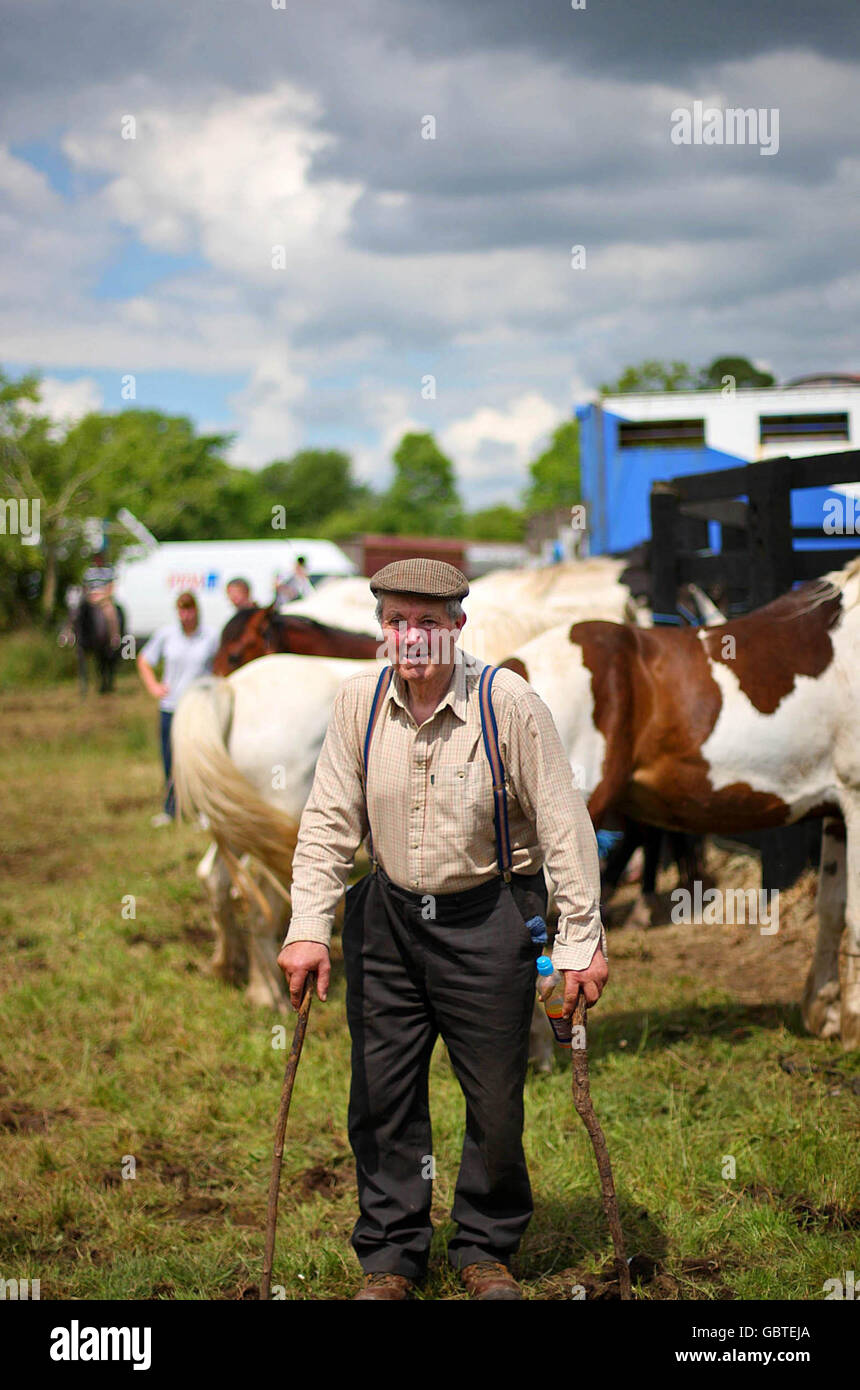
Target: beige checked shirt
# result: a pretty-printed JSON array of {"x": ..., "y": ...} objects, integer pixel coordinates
[{"x": 430, "y": 803}]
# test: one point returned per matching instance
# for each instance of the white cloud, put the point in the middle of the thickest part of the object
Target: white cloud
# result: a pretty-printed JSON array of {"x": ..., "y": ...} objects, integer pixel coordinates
[
  {"x": 265, "y": 411},
  {"x": 70, "y": 400},
  {"x": 478, "y": 440},
  {"x": 228, "y": 177},
  {"x": 64, "y": 402}
]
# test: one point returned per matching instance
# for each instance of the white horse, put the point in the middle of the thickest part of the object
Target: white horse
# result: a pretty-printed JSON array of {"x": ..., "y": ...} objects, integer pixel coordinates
[{"x": 244, "y": 755}]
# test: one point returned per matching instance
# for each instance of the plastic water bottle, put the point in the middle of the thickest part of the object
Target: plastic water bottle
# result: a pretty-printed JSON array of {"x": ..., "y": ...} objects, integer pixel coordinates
[{"x": 550, "y": 988}]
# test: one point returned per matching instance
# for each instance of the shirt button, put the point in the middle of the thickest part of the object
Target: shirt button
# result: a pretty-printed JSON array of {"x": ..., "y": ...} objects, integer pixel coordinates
[{"x": 414, "y": 846}]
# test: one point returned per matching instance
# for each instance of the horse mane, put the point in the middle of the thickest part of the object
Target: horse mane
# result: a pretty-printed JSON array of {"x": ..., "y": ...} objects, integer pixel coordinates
[
  {"x": 815, "y": 592},
  {"x": 236, "y": 625}
]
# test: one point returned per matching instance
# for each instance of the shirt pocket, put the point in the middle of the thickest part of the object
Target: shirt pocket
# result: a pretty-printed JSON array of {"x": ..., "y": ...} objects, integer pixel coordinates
[{"x": 476, "y": 782}]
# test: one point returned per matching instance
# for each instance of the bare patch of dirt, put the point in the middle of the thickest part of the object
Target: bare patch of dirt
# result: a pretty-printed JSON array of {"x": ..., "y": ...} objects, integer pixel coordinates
[
  {"x": 831, "y": 1216},
  {"x": 196, "y": 1208},
  {"x": 17, "y": 1117},
  {"x": 246, "y": 1216},
  {"x": 755, "y": 968},
  {"x": 836, "y": 1081},
  {"x": 323, "y": 1180},
  {"x": 243, "y": 1293},
  {"x": 649, "y": 1273}
]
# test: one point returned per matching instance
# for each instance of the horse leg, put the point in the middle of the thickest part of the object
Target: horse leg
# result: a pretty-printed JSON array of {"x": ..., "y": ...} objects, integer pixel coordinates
[
  {"x": 267, "y": 986},
  {"x": 850, "y": 1018},
  {"x": 230, "y": 960},
  {"x": 642, "y": 913},
  {"x": 619, "y": 856},
  {"x": 820, "y": 1006}
]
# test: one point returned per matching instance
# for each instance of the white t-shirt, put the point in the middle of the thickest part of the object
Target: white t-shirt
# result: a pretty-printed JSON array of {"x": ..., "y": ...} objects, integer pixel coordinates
[{"x": 185, "y": 658}]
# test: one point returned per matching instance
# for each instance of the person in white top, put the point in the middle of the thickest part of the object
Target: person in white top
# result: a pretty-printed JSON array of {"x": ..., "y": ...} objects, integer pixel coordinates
[{"x": 187, "y": 649}]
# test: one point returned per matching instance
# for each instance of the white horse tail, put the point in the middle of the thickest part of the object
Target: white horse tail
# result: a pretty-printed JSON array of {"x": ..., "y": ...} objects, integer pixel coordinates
[{"x": 207, "y": 781}]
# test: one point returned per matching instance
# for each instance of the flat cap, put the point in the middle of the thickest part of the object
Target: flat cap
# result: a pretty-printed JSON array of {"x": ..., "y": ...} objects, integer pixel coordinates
[{"x": 431, "y": 578}]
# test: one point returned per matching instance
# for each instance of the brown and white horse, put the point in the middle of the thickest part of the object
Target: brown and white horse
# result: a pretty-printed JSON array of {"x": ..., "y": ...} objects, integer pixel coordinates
[{"x": 751, "y": 724}]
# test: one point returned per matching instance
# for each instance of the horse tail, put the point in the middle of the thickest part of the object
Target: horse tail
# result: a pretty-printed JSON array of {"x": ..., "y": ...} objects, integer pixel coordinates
[{"x": 208, "y": 782}]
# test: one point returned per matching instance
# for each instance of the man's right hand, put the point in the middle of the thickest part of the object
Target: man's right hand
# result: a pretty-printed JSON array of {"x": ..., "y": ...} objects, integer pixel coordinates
[{"x": 300, "y": 959}]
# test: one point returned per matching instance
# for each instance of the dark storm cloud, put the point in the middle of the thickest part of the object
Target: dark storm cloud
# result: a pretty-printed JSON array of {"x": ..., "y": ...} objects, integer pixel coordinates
[
  {"x": 665, "y": 40},
  {"x": 66, "y": 45}
]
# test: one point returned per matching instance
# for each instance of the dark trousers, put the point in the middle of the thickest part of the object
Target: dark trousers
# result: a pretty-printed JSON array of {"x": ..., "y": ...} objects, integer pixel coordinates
[
  {"x": 467, "y": 973},
  {"x": 169, "y": 797}
]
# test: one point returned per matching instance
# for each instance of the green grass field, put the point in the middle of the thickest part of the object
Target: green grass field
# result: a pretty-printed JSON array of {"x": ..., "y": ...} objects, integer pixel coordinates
[{"x": 120, "y": 1054}]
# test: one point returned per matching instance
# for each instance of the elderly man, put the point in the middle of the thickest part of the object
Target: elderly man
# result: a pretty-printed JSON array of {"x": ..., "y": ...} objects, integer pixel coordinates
[{"x": 435, "y": 939}]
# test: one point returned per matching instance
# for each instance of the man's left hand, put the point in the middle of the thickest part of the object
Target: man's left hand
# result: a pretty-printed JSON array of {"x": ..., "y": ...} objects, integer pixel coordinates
[{"x": 590, "y": 980}]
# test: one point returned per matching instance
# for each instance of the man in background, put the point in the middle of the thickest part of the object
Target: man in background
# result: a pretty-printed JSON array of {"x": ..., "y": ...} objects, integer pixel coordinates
[
  {"x": 239, "y": 594},
  {"x": 187, "y": 648}
]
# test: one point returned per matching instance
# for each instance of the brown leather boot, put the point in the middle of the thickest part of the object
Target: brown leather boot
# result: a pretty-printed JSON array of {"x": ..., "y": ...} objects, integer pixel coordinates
[
  {"x": 387, "y": 1286},
  {"x": 489, "y": 1279}
]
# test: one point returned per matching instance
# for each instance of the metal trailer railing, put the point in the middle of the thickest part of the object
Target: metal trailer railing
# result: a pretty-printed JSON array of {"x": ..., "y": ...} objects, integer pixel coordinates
[{"x": 757, "y": 562}]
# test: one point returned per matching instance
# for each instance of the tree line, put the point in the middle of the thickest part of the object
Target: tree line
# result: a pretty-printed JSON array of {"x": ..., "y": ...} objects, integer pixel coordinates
[{"x": 180, "y": 484}]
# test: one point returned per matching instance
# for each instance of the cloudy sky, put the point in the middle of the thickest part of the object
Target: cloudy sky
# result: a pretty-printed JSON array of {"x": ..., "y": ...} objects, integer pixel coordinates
[{"x": 296, "y": 136}]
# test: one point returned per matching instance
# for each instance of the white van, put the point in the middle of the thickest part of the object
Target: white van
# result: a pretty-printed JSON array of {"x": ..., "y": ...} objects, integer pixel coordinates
[{"x": 148, "y": 583}]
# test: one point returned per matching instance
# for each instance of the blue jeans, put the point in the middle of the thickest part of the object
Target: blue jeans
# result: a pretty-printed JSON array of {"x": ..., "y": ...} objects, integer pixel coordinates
[{"x": 169, "y": 798}]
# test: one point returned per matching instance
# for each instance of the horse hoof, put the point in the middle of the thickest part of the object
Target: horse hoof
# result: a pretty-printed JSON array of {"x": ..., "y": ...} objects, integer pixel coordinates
[{"x": 821, "y": 1012}]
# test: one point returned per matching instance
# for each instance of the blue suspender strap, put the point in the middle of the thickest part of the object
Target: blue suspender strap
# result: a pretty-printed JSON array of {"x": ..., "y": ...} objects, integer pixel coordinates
[
  {"x": 494, "y": 757},
  {"x": 378, "y": 696}
]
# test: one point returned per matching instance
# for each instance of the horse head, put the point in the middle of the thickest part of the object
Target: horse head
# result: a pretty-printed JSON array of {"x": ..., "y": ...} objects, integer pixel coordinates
[{"x": 245, "y": 637}]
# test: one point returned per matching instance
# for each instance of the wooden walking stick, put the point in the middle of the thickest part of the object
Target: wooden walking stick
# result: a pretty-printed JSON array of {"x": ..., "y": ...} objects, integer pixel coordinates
[
  {"x": 582, "y": 1101},
  {"x": 280, "y": 1130}
]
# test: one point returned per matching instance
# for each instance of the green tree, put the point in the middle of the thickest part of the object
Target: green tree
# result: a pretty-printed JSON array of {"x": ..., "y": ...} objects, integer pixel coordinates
[
  {"x": 423, "y": 497},
  {"x": 651, "y": 375},
  {"x": 175, "y": 481},
  {"x": 309, "y": 487},
  {"x": 742, "y": 372},
  {"x": 39, "y": 469},
  {"x": 498, "y": 523},
  {"x": 555, "y": 475}
]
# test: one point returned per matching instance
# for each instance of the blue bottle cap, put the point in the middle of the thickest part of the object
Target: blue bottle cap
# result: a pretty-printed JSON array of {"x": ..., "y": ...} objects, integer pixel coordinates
[{"x": 544, "y": 965}]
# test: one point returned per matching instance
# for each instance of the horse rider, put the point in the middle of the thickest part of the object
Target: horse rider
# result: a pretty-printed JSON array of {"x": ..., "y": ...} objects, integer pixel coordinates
[
  {"x": 294, "y": 586},
  {"x": 187, "y": 648},
  {"x": 98, "y": 582},
  {"x": 438, "y": 938}
]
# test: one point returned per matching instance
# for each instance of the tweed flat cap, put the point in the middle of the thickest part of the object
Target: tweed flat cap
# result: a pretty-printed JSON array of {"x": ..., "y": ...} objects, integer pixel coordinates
[{"x": 432, "y": 578}]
